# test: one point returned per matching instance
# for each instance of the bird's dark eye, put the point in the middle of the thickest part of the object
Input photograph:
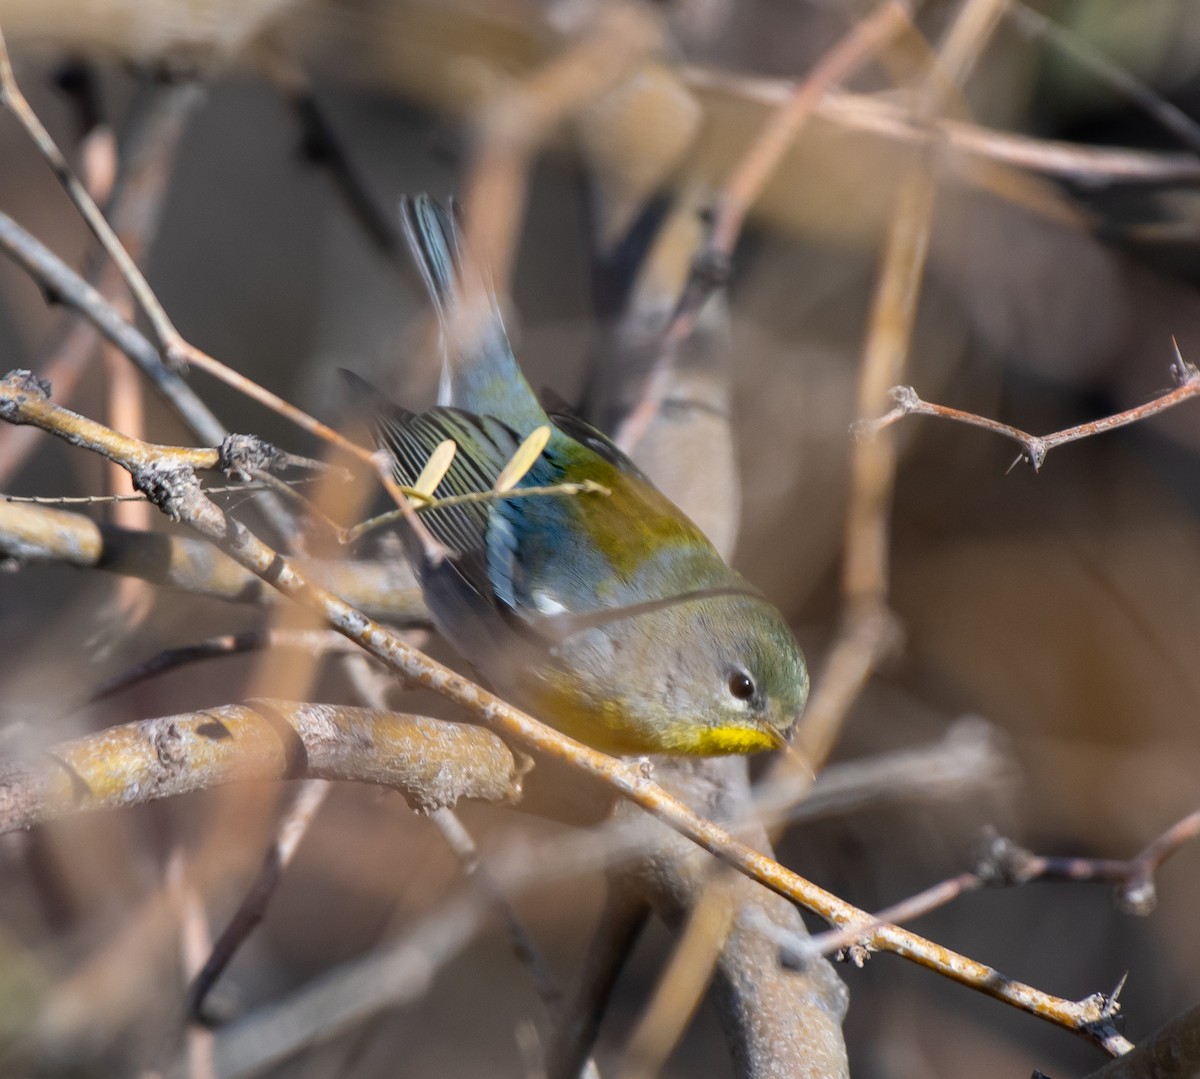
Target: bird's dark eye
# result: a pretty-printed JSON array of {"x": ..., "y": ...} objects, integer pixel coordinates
[{"x": 741, "y": 685}]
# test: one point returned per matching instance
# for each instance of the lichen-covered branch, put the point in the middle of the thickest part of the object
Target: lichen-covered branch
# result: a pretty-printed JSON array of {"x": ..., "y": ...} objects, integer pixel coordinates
[{"x": 431, "y": 762}]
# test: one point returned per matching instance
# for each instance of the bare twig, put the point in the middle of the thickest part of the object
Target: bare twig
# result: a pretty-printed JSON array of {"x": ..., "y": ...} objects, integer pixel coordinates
[
  {"x": 106, "y": 500},
  {"x": 880, "y": 116},
  {"x": 237, "y": 455},
  {"x": 800, "y": 950},
  {"x": 387, "y": 589},
  {"x": 1002, "y": 863},
  {"x": 179, "y": 494},
  {"x": 560, "y": 490},
  {"x": 1036, "y": 447}
]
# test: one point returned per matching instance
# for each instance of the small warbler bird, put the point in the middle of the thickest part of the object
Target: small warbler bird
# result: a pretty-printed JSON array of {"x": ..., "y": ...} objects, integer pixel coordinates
[{"x": 607, "y": 614}]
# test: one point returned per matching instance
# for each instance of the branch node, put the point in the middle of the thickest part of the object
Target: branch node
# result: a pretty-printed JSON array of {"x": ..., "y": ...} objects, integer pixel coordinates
[
  {"x": 1001, "y": 863},
  {"x": 1138, "y": 895},
  {"x": 857, "y": 953},
  {"x": 907, "y": 399},
  {"x": 1103, "y": 1009},
  {"x": 175, "y": 357},
  {"x": 170, "y": 487},
  {"x": 1103, "y": 1020},
  {"x": 711, "y": 269},
  {"x": 24, "y": 384},
  {"x": 242, "y": 455}
]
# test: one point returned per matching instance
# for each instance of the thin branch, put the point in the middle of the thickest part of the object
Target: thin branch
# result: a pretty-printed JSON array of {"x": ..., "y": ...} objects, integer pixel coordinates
[
  {"x": 238, "y": 455},
  {"x": 387, "y": 589},
  {"x": 799, "y": 950},
  {"x": 313, "y": 642},
  {"x": 108, "y": 500},
  {"x": 1036, "y": 447},
  {"x": 180, "y": 495},
  {"x": 349, "y": 536},
  {"x": 1093, "y": 165},
  {"x": 1002, "y": 863}
]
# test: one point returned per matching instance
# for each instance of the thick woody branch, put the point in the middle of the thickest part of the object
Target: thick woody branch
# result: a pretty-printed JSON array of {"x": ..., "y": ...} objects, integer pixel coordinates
[
  {"x": 386, "y": 589},
  {"x": 431, "y": 762}
]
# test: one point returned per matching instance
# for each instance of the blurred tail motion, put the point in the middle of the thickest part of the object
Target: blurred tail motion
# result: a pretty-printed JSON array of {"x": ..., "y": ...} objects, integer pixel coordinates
[{"x": 479, "y": 372}]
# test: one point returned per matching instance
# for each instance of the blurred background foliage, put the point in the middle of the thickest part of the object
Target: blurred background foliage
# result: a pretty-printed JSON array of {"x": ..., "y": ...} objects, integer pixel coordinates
[{"x": 1060, "y": 606}]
